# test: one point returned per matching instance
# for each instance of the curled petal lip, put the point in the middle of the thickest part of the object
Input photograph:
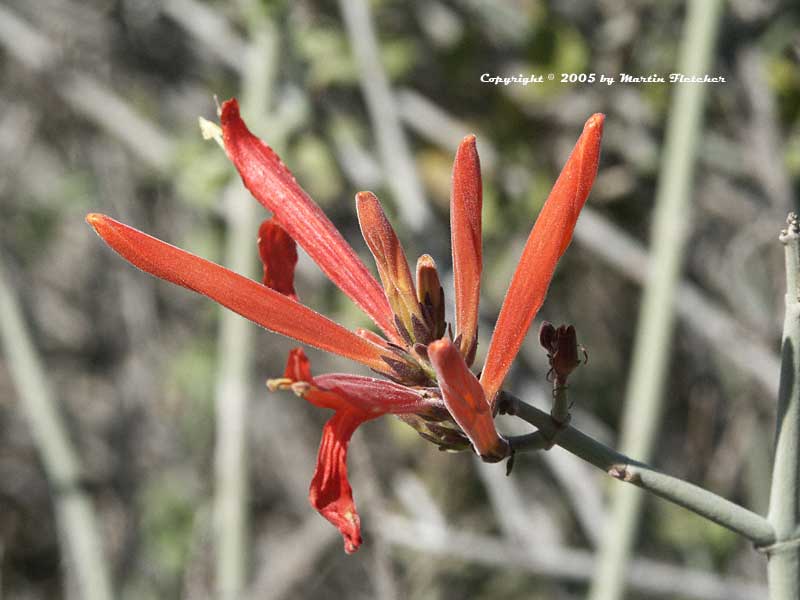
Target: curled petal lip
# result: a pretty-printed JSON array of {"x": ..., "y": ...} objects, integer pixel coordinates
[
  {"x": 330, "y": 492},
  {"x": 356, "y": 400}
]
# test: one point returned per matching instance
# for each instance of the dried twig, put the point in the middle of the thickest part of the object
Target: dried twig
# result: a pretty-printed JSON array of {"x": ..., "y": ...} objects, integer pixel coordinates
[
  {"x": 394, "y": 151},
  {"x": 650, "y": 577},
  {"x": 81, "y": 538}
]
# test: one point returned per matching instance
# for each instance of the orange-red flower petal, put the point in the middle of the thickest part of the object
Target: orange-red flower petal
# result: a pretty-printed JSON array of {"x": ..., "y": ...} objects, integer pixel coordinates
[
  {"x": 464, "y": 398},
  {"x": 547, "y": 242},
  {"x": 356, "y": 400},
  {"x": 262, "y": 305},
  {"x": 330, "y": 492},
  {"x": 274, "y": 186},
  {"x": 392, "y": 266},
  {"x": 466, "y": 202},
  {"x": 278, "y": 254}
]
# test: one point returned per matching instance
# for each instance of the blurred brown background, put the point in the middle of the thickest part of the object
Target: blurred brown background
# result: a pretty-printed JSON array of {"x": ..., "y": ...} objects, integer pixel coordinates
[{"x": 100, "y": 103}]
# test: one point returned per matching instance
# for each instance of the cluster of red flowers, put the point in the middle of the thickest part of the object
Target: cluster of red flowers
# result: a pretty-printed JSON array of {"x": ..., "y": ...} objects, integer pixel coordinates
[{"x": 425, "y": 362}]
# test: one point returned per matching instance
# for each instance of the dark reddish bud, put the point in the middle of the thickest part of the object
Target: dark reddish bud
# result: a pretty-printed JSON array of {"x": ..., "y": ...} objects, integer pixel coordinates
[{"x": 562, "y": 347}]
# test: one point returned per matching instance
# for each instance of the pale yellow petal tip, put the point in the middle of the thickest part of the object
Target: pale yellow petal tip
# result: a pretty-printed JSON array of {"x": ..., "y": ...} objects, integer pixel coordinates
[
  {"x": 596, "y": 120},
  {"x": 469, "y": 139},
  {"x": 211, "y": 131},
  {"x": 279, "y": 383},
  {"x": 365, "y": 196},
  {"x": 95, "y": 219},
  {"x": 426, "y": 260}
]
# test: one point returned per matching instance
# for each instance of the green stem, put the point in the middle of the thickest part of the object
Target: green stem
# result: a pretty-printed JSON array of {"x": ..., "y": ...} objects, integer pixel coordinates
[
  {"x": 702, "y": 502},
  {"x": 783, "y": 568}
]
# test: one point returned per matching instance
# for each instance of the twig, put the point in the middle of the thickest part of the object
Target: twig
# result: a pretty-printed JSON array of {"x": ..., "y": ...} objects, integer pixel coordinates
[
  {"x": 288, "y": 561},
  {"x": 783, "y": 569},
  {"x": 650, "y": 577},
  {"x": 81, "y": 541},
  {"x": 523, "y": 521},
  {"x": 416, "y": 499},
  {"x": 211, "y": 29},
  {"x": 707, "y": 504},
  {"x": 85, "y": 94},
  {"x": 235, "y": 342},
  {"x": 583, "y": 491},
  {"x": 761, "y": 139},
  {"x": 433, "y": 123},
  {"x": 395, "y": 154},
  {"x": 381, "y": 575},
  {"x": 706, "y": 318},
  {"x": 576, "y": 477},
  {"x": 644, "y": 397}
]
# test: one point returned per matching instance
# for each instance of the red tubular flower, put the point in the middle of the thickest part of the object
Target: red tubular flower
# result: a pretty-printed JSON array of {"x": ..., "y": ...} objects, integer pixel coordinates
[
  {"x": 262, "y": 305},
  {"x": 549, "y": 238},
  {"x": 274, "y": 186},
  {"x": 432, "y": 388},
  {"x": 466, "y": 202},
  {"x": 355, "y": 400}
]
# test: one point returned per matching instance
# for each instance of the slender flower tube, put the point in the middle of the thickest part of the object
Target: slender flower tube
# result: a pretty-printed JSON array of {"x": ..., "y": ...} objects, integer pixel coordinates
[
  {"x": 466, "y": 203},
  {"x": 274, "y": 186},
  {"x": 262, "y": 305},
  {"x": 549, "y": 238}
]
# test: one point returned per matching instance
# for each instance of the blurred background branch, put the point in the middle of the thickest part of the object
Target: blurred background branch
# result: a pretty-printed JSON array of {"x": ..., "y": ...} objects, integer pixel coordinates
[
  {"x": 645, "y": 392},
  {"x": 85, "y": 565},
  {"x": 235, "y": 346}
]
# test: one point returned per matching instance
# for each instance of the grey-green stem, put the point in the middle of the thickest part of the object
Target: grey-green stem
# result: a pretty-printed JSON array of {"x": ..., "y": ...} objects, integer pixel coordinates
[
  {"x": 82, "y": 543},
  {"x": 560, "y": 410},
  {"x": 783, "y": 568},
  {"x": 694, "y": 498}
]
